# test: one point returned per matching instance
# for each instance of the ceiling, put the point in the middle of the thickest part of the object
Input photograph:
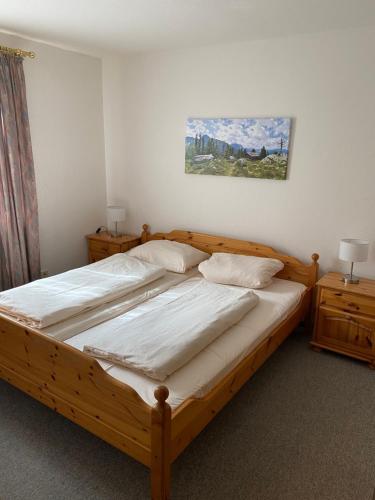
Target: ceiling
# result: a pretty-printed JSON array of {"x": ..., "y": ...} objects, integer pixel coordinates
[{"x": 101, "y": 26}]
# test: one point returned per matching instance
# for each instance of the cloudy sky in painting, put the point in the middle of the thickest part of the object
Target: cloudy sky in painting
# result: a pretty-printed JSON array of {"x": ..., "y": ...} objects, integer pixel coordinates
[{"x": 249, "y": 132}]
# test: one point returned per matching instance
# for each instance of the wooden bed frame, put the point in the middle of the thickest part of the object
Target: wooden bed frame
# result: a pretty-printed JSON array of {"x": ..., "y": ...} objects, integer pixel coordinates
[{"x": 74, "y": 384}]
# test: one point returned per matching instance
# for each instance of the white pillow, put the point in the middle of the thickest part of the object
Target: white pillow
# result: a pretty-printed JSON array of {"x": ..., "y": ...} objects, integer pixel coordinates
[
  {"x": 173, "y": 256},
  {"x": 240, "y": 270}
]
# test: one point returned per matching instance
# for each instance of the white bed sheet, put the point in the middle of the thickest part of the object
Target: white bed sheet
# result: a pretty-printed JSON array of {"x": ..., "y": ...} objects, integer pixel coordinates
[{"x": 197, "y": 377}]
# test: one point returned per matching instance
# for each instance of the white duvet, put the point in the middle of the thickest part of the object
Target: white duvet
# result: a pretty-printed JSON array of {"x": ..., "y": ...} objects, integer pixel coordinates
[
  {"x": 162, "y": 340},
  {"x": 50, "y": 300},
  {"x": 73, "y": 326}
]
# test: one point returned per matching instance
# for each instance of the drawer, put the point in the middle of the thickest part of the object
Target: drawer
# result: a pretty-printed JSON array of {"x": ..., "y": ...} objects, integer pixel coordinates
[
  {"x": 350, "y": 331},
  {"x": 95, "y": 256},
  {"x": 113, "y": 248},
  {"x": 348, "y": 302},
  {"x": 99, "y": 246},
  {"x": 127, "y": 246}
]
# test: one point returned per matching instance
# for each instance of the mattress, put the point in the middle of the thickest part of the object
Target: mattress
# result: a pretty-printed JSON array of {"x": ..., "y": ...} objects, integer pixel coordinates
[{"x": 201, "y": 374}]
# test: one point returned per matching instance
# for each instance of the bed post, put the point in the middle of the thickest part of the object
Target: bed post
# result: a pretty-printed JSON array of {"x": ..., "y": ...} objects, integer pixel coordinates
[
  {"x": 161, "y": 446},
  {"x": 309, "y": 321},
  {"x": 145, "y": 233},
  {"x": 315, "y": 258}
]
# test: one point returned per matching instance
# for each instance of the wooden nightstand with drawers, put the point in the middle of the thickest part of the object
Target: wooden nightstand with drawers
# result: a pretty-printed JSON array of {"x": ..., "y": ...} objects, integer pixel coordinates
[
  {"x": 103, "y": 245},
  {"x": 345, "y": 317}
]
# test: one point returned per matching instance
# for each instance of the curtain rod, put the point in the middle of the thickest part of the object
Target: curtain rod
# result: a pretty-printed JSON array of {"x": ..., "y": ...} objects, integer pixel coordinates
[{"x": 17, "y": 52}]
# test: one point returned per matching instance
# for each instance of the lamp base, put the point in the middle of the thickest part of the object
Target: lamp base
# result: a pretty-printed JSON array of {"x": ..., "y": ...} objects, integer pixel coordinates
[
  {"x": 350, "y": 279},
  {"x": 115, "y": 234}
]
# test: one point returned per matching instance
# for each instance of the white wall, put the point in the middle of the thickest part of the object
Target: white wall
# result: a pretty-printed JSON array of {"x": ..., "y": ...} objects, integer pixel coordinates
[
  {"x": 325, "y": 82},
  {"x": 64, "y": 91}
]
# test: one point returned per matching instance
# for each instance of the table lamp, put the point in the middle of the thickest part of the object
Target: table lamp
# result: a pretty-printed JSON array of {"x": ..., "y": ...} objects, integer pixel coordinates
[
  {"x": 352, "y": 250},
  {"x": 116, "y": 214}
]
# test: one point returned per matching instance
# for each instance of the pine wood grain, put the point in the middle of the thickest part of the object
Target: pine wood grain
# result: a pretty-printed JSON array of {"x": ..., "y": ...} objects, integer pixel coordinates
[
  {"x": 345, "y": 317},
  {"x": 294, "y": 269},
  {"x": 365, "y": 287},
  {"x": 56, "y": 371},
  {"x": 195, "y": 413},
  {"x": 161, "y": 446},
  {"x": 102, "y": 245}
]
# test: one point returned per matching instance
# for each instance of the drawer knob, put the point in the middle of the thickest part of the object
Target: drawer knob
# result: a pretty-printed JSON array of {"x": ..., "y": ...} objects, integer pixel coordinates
[{"x": 352, "y": 304}]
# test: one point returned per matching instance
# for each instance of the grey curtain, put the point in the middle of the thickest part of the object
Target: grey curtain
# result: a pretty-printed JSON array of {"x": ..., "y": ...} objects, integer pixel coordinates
[{"x": 19, "y": 232}]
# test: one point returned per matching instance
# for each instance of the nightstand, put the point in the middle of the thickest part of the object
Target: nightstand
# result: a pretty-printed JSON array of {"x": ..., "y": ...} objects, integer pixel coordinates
[
  {"x": 103, "y": 245},
  {"x": 345, "y": 317}
]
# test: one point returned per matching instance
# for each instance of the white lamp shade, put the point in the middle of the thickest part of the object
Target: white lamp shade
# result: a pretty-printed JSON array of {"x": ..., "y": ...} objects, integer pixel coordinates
[
  {"x": 116, "y": 214},
  {"x": 352, "y": 250}
]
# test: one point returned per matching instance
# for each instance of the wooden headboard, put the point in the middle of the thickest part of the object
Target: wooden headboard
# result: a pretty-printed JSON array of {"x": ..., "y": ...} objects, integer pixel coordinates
[{"x": 294, "y": 269}]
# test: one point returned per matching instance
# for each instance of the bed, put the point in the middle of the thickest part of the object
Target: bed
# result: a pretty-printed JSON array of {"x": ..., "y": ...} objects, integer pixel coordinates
[{"x": 118, "y": 406}]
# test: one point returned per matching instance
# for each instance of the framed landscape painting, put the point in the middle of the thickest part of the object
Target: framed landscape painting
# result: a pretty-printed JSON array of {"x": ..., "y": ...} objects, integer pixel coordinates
[{"x": 238, "y": 147}]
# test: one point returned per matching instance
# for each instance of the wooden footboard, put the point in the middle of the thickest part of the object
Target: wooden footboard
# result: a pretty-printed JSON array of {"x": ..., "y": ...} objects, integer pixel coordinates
[
  {"x": 194, "y": 414},
  {"x": 74, "y": 385}
]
